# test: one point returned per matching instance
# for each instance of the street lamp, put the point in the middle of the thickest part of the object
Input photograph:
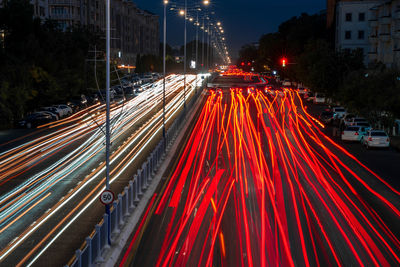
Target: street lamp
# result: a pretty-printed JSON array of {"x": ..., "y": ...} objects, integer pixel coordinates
[
  {"x": 164, "y": 53},
  {"x": 108, "y": 115}
]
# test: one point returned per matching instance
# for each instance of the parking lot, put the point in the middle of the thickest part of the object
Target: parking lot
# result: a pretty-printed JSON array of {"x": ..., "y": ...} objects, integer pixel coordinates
[{"x": 385, "y": 162}]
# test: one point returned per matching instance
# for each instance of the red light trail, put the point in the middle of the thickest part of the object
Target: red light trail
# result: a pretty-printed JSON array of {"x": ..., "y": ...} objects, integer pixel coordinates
[{"x": 260, "y": 177}]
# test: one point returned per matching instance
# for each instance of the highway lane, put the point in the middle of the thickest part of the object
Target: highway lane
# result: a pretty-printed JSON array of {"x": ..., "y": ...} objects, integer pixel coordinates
[
  {"x": 260, "y": 184},
  {"x": 37, "y": 208}
]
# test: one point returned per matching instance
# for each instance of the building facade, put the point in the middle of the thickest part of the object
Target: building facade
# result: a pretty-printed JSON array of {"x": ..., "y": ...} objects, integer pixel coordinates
[
  {"x": 373, "y": 26},
  {"x": 353, "y": 29},
  {"x": 385, "y": 33},
  {"x": 133, "y": 31}
]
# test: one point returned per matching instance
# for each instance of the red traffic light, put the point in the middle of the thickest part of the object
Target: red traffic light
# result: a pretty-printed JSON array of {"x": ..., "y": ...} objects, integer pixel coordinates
[
  {"x": 242, "y": 64},
  {"x": 284, "y": 62}
]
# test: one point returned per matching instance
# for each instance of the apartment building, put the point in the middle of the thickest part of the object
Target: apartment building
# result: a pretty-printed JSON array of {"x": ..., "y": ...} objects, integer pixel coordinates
[
  {"x": 133, "y": 31},
  {"x": 353, "y": 26},
  {"x": 385, "y": 33}
]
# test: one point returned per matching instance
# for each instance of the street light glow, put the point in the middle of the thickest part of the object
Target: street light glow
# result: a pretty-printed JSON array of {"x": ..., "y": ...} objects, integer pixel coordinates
[
  {"x": 165, "y": 2},
  {"x": 206, "y": 2},
  {"x": 181, "y": 12}
]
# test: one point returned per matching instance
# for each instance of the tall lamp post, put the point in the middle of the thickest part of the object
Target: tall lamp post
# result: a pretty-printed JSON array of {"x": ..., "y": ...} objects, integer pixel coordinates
[
  {"x": 108, "y": 114},
  {"x": 164, "y": 53},
  {"x": 184, "y": 60}
]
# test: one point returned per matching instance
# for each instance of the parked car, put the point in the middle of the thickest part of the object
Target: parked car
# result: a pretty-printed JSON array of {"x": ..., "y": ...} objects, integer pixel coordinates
[
  {"x": 78, "y": 103},
  {"x": 319, "y": 98},
  {"x": 53, "y": 110},
  {"x": 54, "y": 115},
  {"x": 326, "y": 116},
  {"x": 147, "y": 78},
  {"x": 65, "y": 109},
  {"x": 35, "y": 119},
  {"x": 339, "y": 112},
  {"x": 353, "y": 133},
  {"x": 93, "y": 99},
  {"x": 376, "y": 138}
]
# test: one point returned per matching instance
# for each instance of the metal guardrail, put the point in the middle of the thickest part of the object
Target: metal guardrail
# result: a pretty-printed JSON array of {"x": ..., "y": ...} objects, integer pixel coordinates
[{"x": 91, "y": 251}]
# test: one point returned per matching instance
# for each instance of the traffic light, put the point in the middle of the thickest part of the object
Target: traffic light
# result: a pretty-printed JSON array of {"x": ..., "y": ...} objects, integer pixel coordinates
[{"x": 283, "y": 62}]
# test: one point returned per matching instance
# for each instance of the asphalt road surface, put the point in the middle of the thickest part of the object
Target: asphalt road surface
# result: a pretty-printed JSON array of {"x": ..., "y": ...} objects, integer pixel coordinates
[{"x": 259, "y": 183}]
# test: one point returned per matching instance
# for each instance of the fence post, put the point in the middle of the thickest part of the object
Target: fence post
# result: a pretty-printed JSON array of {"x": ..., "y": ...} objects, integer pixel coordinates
[
  {"x": 127, "y": 198},
  {"x": 116, "y": 228},
  {"x": 89, "y": 247},
  {"x": 144, "y": 186},
  {"x": 98, "y": 244},
  {"x": 136, "y": 182},
  {"x": 106, "y": 223},
  {"x": 131, "y": 195},
  {"x": 120, "y": 206},
  {"x": 140, "y": 180},
  {"x": 78, "y": 255}
]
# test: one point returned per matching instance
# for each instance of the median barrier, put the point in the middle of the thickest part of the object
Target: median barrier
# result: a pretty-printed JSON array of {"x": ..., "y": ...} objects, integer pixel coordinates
[{"x": 95, "y": 245}]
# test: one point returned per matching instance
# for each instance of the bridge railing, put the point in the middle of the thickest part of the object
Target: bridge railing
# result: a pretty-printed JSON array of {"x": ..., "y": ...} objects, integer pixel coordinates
[{"x": 91, "y": 251}]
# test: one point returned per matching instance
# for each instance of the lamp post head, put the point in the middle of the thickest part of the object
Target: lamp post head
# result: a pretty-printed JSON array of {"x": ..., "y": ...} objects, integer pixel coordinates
[
  {"x": 181, "y": 12},
  {"x": 206, "y": 2},
  {"x": 165, "y": 2}
]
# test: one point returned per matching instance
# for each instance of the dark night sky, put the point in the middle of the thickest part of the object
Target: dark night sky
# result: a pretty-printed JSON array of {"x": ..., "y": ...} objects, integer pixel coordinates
[{"x": 243, "y": 21}]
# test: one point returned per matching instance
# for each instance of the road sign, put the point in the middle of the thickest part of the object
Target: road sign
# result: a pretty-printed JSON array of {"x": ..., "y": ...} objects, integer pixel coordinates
[{"x": 107, "y": 197}]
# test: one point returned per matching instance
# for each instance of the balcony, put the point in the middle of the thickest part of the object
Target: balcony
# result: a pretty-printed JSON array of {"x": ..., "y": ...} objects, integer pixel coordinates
[
  {"x": 65, "y": 17},
  {"x": 396, "y": 34},
  {"x": 384, "y": 37},
  {"x": 372, "y": 56},
  {"x": 373, "y": 38},
  {"x": 385, "y": 19},
  {"x": 373, "y": 23},
  {"x": 397, "y": 14},
  {"x": 75, "y": 3}
]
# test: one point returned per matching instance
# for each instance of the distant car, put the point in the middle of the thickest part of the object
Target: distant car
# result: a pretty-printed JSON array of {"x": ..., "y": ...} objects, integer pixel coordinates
[
  {"x": 347, "y": 118},
  {"x": 286, "y": 83},
  {"x": 355, "y": 120},
  {"x": 66, "y": 110},
  {"x": 353, "y": 133},
  {"x": 339, "y": 112},
  {"x": 319, "y": 98},
  {"x": 366, "y": 125},
  {"x": 309, "y": 96},
  {"x": 326, "y": 116},
  {"x": 35, "y": 119},
  {"x": 376, "y": 138}
]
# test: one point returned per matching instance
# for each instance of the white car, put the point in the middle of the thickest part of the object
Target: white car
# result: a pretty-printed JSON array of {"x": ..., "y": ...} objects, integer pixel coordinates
[
  {"x": 65, "y": 110},
  {"x": 366, "y": 125},
  {"x": 353, "y": 133},
  {"x": 355, "y": 120},
  {"x": 376, "y": 138},
  {"x": 338, "y": 112},
  {"x": 319, "y": 98}
]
